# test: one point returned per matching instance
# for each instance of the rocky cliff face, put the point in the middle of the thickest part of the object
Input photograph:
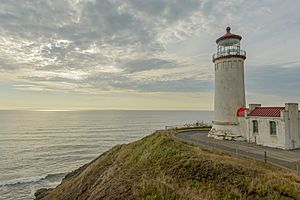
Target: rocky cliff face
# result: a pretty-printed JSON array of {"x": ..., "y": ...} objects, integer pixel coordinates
[{"x": 161, "y": 167}]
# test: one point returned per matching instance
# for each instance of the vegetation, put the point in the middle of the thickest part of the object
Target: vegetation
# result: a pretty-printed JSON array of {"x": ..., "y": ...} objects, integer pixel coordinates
[{"x": 162, "y": 167}]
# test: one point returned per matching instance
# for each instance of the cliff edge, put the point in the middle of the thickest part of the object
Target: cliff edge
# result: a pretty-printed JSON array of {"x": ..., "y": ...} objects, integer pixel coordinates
[{"x": 160, "y": 166}]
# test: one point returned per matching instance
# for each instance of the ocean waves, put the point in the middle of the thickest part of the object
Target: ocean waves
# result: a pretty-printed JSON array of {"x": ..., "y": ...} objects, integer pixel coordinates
[{"x": 32, "y": 179}]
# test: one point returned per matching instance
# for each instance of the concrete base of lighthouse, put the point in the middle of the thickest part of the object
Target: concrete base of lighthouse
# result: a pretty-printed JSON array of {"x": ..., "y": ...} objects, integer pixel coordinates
[{"x": 226, "y": 132}]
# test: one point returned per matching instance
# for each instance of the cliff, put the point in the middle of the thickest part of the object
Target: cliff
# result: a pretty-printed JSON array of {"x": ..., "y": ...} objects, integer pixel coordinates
[{"x": 161, "y": 167}]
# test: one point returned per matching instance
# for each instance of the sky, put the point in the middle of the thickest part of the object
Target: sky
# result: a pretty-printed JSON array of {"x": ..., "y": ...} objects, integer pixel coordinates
[{"x": 142, "y": 55}]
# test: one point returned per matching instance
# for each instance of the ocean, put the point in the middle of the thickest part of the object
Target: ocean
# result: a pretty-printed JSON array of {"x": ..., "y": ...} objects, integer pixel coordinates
[{"x": 38, "y": 148}]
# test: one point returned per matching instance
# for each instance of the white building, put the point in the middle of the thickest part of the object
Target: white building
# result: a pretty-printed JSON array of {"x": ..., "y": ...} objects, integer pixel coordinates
[{"x": 269, "y": 126}]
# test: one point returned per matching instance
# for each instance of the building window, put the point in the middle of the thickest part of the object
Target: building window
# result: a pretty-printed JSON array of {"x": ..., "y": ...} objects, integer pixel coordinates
[
  {"x": 272, "y": 128},
  {"x": 255, "y": 126}
]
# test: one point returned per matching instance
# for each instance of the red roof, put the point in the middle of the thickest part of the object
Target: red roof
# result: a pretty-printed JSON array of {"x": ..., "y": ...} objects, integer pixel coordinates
[
  {"x": 228, "y": 35},
  {"x": 241, "y": 112},
  {"x": 266, "y": 111}
]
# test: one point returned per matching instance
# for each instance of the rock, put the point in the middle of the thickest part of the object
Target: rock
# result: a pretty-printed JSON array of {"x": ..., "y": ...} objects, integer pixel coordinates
[{"x": 41, "y": 193}]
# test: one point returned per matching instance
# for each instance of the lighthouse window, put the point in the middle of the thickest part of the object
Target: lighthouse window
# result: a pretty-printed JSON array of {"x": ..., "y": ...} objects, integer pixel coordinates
[
  {"x": 272, "y": 128},
  {"x": 255, "y": 126}
]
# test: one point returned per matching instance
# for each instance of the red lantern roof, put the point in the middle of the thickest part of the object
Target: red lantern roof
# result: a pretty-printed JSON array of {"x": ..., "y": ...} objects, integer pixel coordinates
[
  {"x": 228, "y": 35},
  {"x": 267, "y": 111}
]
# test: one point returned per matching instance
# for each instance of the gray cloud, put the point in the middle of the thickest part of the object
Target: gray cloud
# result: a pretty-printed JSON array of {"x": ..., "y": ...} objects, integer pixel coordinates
[
  {"x": 277, "y": 79},
  {"x": 101, "y": 45},
  {"x": 88, "y": 36},
  {"x": 148, "y": 64}
]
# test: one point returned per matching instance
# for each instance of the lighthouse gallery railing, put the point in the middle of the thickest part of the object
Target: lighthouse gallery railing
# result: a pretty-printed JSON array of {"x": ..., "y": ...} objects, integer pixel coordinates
[{"x": 229, "y": 52}]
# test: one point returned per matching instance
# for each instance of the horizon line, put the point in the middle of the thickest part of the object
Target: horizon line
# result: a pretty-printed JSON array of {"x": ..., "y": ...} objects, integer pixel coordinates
[{"x": 74, "y": 110}]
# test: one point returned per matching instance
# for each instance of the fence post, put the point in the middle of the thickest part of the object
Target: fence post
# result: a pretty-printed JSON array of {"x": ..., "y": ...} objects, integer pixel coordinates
[
  {"x": 297, "y": 166},
  {"x": 265, "y": 157}
]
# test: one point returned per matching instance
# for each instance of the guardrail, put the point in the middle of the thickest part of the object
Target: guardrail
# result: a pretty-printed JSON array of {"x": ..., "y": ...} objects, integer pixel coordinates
[
  {"x": 229, "y": 53},
  {"x": 263, "y": 156},
  {"x": 189, "y": 126}
]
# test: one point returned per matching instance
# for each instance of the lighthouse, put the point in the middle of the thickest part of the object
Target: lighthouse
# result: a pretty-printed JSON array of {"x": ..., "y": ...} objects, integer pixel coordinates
[
  {"x": 268, "y": 126},
  {"x": 229, "y": 86}
]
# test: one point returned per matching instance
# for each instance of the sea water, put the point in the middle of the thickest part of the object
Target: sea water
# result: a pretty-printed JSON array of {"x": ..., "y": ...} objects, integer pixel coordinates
[{"x": 38, "y": 148}]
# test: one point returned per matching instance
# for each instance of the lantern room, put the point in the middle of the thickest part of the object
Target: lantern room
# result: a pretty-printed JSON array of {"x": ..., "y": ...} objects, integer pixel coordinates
[{"x": 229, "y": 46}]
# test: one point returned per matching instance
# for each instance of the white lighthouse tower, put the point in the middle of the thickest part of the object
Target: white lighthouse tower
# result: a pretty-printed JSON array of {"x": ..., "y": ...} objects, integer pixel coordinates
[{"x": 229, "y": 86}]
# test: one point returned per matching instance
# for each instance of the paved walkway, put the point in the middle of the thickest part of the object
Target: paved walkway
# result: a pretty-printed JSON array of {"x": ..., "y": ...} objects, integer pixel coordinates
[{"x": 283, "y": 158}]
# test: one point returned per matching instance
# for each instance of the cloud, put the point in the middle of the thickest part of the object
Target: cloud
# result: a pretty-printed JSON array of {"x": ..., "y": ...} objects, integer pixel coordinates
[
  {"x": 280, "y": 79},
  {"x": 114, "y": 45},
  {"x": 148, "y": 64},
  {"x": 107, "y": 40}
]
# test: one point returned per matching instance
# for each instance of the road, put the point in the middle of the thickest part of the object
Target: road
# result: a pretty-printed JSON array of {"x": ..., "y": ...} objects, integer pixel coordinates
[{"x": 282, "y": 158}]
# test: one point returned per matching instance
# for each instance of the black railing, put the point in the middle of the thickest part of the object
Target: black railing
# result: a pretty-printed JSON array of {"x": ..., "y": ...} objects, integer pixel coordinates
[{"x": 230, "y": 52}]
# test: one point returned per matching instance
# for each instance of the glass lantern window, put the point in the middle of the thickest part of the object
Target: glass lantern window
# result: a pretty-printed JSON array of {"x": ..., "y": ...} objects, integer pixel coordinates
[{"x": 229, "y": 48}]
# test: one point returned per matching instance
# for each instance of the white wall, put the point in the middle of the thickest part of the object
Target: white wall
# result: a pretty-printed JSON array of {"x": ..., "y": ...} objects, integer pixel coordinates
[
  {"x": 291, "y": 117},
  {"x": 229, "y": 89},
  {"x": 263, "y": 137},
  {"x": 244, "y": 127}
]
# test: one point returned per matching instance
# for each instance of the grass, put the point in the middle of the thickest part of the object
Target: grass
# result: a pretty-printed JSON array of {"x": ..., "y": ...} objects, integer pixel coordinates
[{"x": 162, "y": 167}]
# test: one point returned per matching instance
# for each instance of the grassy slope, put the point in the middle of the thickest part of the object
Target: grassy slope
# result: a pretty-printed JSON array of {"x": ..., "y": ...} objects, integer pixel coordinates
[{"x": 161, "y": 167}]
